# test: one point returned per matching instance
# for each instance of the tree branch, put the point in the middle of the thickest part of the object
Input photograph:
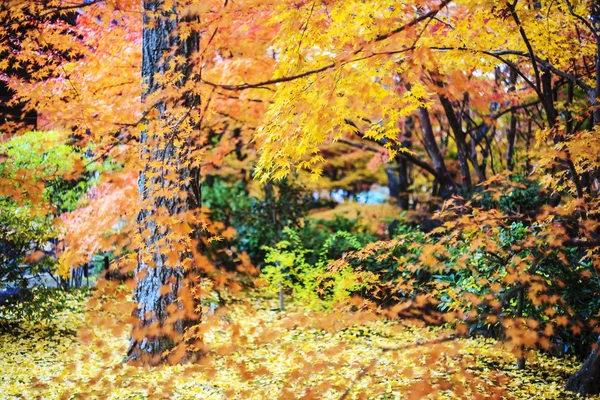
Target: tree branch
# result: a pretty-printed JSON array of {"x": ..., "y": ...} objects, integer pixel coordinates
[
  {"x": 582, "y": 19},
  {"x": 289, "y": 78},
  {"x": 385, "y": 143},
  {"x": 513, "y": 12},
  {"x": 587, "y": 244}
]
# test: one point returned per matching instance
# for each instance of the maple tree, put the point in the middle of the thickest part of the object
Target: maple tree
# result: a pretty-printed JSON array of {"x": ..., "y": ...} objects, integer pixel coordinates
[
  {"x": 488, "y": 105},
  {"x": 442, "y": 87}
]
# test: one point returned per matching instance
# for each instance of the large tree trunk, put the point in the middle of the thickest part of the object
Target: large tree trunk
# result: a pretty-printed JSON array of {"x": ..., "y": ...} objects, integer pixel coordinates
[
  {"x": 586, "y": 381},
  {"x": 164, "y": 274}
]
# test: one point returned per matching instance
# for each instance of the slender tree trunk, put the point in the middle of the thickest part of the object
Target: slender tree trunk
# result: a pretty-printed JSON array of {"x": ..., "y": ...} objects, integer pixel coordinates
[
  {"x": 520, "y": 305},
  {"x": 595, "y": 93},
  {"x": 512, "y": 132},
  {"x": 548, "y": 99},
  {"x": 552, "y": 117},
  {"x": 403, "y": 166},
  {"x": 472, "y": 150},
  {"x": 447, "y": 184},
  {"x": 164, "y": 274},
  {"x": 461, "y": 142},
  {"x": 528, "y": 145}
]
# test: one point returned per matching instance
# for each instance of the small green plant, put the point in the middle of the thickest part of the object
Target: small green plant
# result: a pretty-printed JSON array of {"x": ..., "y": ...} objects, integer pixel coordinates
[{"x": 315, "y": 284}]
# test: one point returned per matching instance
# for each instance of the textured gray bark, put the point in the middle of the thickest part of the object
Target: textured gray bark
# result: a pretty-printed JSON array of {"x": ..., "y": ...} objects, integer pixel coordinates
[{"x": 162, "y": 318}]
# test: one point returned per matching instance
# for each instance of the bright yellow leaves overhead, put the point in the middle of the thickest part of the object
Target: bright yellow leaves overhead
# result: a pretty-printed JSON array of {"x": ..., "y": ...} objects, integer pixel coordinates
[{"x": 354, "y": 60}]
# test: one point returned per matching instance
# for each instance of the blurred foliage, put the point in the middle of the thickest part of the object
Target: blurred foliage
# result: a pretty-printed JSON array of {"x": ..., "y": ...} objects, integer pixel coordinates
[{"x": 42, "y": 162}]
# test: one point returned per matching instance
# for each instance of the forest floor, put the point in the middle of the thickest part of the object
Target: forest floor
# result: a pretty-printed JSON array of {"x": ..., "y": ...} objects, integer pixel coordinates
[{"x": 260, "y": 353}]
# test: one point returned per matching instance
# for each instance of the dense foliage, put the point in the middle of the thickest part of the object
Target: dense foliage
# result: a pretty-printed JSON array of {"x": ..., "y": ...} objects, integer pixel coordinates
[
  {"x": 187, "y": 141},
  {"x": 257, "y": 220},
  {"x": 28, "y": 215}
]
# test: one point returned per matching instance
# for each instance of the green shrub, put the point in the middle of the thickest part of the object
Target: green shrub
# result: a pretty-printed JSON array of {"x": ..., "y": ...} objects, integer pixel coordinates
[
  {"x": 313, "y": 282},
  {"x": 315, "y": 232},
  {"x": 20, "y": 230},
  {"x": 516, "y": 195},
  {"x": 40, "y": 180}
]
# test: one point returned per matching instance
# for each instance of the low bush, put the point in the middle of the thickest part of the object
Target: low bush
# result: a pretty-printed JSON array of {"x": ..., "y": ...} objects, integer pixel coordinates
[
  {"x": 305, "y": 272},
  {"x": 478, "y": 266}
]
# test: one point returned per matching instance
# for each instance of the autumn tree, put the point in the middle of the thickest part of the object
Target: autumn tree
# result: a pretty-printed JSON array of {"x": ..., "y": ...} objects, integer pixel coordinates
[
  {"x": 83, "y": 78},
  {"x": 514, "y": 73},
  {"x": 187, "y": 127},
  {"x": 164, "y": 295},
  {"x": 415, "y": 83}
]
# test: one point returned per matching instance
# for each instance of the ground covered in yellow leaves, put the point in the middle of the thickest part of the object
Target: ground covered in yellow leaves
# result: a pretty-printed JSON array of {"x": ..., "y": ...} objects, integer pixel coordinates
[{"x": 261, "y": 353}]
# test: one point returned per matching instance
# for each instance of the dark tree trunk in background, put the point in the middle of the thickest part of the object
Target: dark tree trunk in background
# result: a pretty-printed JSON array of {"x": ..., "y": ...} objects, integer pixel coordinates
[
  {"x": 445, "y": 181},
  {"x": 471, "y": 145},
  {"x": 163, "y": 315},
  {"x": 586, "y": 381},
  {"x": 512, "y": 132},
  {"x": 393, "y": 182},
  {"x": 403, "y": 166},
  {"x": 595, "y": 93},
  {"x": 461, "y": 142}
]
